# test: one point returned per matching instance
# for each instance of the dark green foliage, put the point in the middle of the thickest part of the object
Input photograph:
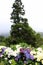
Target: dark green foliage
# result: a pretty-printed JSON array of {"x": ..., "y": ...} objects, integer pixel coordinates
[
  {"x": 17, "y": 12},
  {"x": 20, "y": 30},
  {"x": 8, "y": 41},
  {"x": 2, "y": 38},
  {"x": 39, "y": 39}
]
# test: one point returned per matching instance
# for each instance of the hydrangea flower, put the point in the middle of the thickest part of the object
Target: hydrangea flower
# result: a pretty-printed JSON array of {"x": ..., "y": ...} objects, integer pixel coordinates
[
  {"x": 2, "y": 52},
  {"x": 24, "y": 54},
  {"x": 20, "y": 53},
  {"x": 42, "y": 61},
  {"x": 28, "y": 55}
]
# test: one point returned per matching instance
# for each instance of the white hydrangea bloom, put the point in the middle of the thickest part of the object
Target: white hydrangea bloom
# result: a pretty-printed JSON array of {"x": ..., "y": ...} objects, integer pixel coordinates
[
  {"x": 33, "y": 52},
  {"x": 13, "y": 53},
  {"x": 39, "y": 49},
  {"x": 5, "y": 58},
  {"x": 18, "y": 49},
  {"x": 42, "y": 61},
  {"x": 39, "y": 56},
  {"x": 10, "y": 61},
  {"x": 7, "y": 50},
  {"x": 17, "y": 46},
  {"x": 2, "y": 47}
]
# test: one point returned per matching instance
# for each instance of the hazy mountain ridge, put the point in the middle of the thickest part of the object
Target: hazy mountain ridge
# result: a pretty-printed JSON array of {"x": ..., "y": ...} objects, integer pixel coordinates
[
  {"x": 41, "y": 33},
  {"x": 7, "y": 34}
]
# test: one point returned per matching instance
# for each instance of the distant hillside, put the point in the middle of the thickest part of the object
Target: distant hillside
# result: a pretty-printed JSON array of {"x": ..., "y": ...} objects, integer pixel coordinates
[
  {"x": 4, "y": 34},
  {"x": 7, "y": 34},
  {"x": 41, "y": 33}
]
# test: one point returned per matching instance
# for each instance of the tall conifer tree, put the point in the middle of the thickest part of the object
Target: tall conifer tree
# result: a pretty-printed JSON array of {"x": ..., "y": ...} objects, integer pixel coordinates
[{"x": 20, "y": 29}]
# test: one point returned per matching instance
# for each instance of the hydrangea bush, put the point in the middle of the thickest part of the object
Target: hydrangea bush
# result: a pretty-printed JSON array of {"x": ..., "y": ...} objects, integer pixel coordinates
[{"x": 21, "y": 56}]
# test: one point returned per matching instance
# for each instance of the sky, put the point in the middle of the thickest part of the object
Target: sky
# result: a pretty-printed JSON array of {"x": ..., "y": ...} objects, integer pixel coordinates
[{"x": 33, "y": 12}]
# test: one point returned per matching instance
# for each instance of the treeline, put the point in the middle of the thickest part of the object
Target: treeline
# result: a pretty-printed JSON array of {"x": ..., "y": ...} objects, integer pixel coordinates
[{"x": 9, "y": 41}]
